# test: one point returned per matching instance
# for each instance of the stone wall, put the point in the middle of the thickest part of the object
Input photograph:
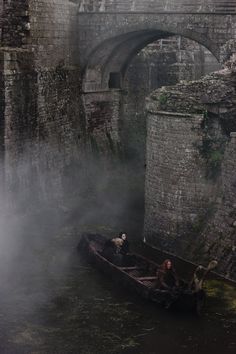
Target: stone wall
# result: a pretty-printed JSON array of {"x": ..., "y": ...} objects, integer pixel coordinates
[
  {"x": 190, "y": 187},
  {"x": 157, "y": 5},
  {"x": 219, "y": 237},
  {"x": 54, "y": 33},
  {"x": 43, "y": 126},
  {"x": 102, "y": 120},
  {"x": 42, "y": 129},
  {"x": 45, "y": 137},
  {"x": 14, "y": 22},
  {"x": 161, "y": 63},
  {"x": 177, "y": 192}
]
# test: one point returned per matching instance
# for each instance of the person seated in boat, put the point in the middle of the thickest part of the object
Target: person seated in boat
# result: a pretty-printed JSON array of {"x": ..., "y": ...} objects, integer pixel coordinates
[
  {"x": 111, "y": 250},
  {"x": 167, "y": 278}
]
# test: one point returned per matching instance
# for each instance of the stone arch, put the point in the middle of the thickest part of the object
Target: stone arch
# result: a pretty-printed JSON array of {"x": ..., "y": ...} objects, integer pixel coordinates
[{"x": 114, "y": 54}]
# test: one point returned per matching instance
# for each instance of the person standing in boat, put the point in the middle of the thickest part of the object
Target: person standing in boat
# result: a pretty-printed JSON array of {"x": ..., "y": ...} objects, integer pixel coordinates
[
  {"x": 129, "y": 259},
  {"x": 124, "y": 250},
  {"x": 167, "y": 278}
]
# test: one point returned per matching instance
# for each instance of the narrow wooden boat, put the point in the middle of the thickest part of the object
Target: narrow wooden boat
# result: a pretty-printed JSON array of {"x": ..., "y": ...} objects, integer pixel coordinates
[{"x": 141, "y": 277}]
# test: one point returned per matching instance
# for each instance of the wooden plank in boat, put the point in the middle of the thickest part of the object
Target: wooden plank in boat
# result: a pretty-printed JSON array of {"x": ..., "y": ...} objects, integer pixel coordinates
[
  {"x": 130, "y": 268},
  {"x": 146, "y": 278}
]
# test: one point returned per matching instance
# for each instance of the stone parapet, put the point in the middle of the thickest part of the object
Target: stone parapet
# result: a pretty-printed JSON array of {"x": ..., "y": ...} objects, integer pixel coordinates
[{"x": 208, "y": 6}]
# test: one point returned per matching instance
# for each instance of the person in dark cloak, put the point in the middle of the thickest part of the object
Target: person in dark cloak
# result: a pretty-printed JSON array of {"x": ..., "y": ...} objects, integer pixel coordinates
[
  {"x": 129, "y": 259},
  {"x": 167, "y": 278},
  {"x": 125, "y": 246}
]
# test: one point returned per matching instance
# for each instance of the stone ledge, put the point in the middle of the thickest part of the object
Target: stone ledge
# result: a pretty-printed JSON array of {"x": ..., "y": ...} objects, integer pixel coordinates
[
  {"x": 176, "y": 114},
  {"x": 154, "y": 13},
  {"x": 15, "y": 49}
]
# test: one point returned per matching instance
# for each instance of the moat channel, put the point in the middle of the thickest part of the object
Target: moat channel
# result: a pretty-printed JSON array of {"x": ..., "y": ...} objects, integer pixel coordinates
[{"x": 76, "y": 309}]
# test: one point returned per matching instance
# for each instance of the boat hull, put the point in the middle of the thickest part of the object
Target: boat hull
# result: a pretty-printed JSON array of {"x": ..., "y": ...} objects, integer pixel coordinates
[{"x": 141, "y": 278}]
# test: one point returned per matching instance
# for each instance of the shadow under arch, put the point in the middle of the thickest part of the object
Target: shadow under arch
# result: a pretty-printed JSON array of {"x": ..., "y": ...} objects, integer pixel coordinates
[{"x": 115, "y": 54}]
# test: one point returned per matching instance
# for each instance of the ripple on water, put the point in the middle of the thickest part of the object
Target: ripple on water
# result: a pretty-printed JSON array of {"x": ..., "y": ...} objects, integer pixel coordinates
[{"x": 87, "y": 314}]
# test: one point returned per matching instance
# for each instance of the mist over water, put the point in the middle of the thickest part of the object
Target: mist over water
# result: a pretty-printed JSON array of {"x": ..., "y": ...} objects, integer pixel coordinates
[
  {"x": 44, "y": 211},
  {"x": 51, "y": 299}
]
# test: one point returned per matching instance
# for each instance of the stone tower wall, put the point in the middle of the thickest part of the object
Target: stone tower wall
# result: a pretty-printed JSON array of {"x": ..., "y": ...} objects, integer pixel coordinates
[{"x": 43, "y": 126}]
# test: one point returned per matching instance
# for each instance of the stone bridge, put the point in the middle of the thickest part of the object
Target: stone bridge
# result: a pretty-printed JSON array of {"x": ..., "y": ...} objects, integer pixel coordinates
[
  {"x": 45, "y": 135},
  {"x": 178, "y": 193},
  {"x": 112, "y": 32}
]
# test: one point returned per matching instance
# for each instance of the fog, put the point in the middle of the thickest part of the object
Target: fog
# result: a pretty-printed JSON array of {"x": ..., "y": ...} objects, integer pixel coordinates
[{"x": 43, "y": 213}]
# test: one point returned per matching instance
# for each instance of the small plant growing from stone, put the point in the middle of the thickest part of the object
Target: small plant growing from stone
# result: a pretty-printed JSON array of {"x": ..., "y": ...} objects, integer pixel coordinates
[{"x": 162, "y": 99}]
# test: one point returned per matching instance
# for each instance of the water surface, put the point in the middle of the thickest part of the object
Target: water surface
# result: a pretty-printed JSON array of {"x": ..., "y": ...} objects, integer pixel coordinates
[{"x": 79, "y": 310}]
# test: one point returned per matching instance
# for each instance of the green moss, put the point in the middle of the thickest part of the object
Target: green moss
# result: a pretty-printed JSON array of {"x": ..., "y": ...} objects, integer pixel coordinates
[
  {"x": 163, "y": 99},
  {"x": 216, "y": 156},
  {"x": 212, "y": 147},
  {"x": 201, "y": 222},
  {"x": 94, "y": 144},
  {"x": 223, "y": 293},
  {"x": 110, "y": 142}
]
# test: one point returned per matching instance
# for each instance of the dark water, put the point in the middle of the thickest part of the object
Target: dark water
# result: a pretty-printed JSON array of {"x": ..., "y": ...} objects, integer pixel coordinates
[{"x": 75, "y": 309}]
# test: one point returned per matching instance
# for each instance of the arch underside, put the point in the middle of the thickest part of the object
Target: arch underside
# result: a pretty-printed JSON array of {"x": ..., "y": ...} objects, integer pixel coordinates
[{"x": 115, "y": 54}]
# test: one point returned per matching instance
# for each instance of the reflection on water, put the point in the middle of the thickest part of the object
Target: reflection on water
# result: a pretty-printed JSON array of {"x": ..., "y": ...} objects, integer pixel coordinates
[{"x": 81, "y": 311}]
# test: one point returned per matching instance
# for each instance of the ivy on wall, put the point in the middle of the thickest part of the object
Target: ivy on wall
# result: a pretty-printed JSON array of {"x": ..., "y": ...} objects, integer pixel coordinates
[{"x": 212, "y": 147}]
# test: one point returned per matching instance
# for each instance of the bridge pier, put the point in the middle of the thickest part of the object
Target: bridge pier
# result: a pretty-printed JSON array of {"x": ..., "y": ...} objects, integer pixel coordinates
[{"x": 102, "y": 112}]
